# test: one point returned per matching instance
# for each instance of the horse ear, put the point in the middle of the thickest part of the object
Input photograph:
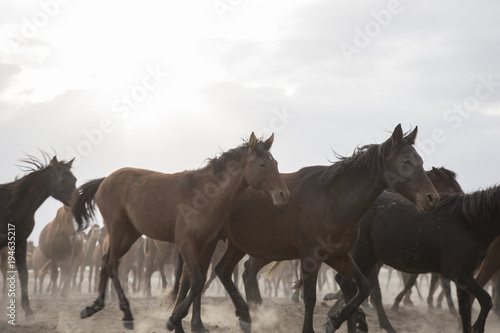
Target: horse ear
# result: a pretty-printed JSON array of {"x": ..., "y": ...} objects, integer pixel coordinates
[
  {"x": 412, "y": 136},
  {"x": 252, "y": 143},
  {"x": 269, "y": 142},
  {"x": 54, "y": 160},
  {"x": 397, "y": 135},
  {"x": 70, "y": 163}
]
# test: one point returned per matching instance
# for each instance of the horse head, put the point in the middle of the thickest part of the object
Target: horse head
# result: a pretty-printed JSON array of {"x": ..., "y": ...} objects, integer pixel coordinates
[{"x": 404, "y": 170}]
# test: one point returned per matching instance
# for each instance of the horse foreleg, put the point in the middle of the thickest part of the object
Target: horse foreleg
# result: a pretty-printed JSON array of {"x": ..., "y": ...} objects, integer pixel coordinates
[
  {"x": 196, "y": 322},
  {"x": 445, "y": 284},
  {"x": 20, "y": 256},
  {"x": 466, "y": 285},
  {"x": 348, "y": 269},
  {"x": 192, "y": 264},
  {"x": 310, "y": 277},
  {"x": 376, "y": 297},
  {"x": 224, "y": 269},
  {"x": 432, "y": 290}
]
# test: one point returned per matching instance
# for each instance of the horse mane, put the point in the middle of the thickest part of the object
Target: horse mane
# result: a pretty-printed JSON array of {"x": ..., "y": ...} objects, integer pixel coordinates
[
  {"x": 220, "y": 163},
  {"x": 32, "y": 166},
  {"x": 370, "y": 156},
  {"x": 476, "y": 207},
  {"x": 450, "y": 173}
]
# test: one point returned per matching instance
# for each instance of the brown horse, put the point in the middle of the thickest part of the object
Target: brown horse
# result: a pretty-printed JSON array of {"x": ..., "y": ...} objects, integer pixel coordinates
[
  {"x": 20, "y": 200},
  {"x": 40, "y": 267},
  {"x": 86, "y": 256},
  {"x": 187, "y": 208},
  {"x": 60, "y": 243},
  {"x": 158, "y": 254},
  {"x": 320, "y": 221}
]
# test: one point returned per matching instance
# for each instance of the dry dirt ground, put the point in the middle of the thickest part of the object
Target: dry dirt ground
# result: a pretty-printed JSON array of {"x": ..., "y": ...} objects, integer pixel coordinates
[{"x": 274, "y": 315}]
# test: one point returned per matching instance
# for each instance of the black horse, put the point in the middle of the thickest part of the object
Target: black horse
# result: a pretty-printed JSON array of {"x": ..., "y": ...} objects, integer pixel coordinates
[
  {"x": 452, "y": 240},
  {"x": 20, "y": 200}
]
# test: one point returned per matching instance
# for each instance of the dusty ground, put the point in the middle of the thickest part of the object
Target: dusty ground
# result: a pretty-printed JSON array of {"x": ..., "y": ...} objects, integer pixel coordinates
[{"x": 275, "y": 315}]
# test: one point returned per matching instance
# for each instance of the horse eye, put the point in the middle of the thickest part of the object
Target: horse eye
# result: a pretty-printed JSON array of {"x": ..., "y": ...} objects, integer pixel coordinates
[{"x": 406, "y": 161}]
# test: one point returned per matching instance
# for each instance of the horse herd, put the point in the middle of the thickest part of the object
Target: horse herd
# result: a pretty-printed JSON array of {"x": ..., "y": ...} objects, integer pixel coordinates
[{"x": 375, "y": 207}]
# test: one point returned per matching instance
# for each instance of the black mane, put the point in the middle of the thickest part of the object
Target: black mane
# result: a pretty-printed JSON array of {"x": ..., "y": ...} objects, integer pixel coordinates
[{"x": 475, "y": 208}]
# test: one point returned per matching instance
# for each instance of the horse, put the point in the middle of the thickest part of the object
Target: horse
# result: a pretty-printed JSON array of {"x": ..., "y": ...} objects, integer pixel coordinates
[
  {"x": 19, "y": 200},
  {"x": 60, "y": 243},
  {"x": 157, "y": 254},
  {"x": 133, "y": 261},
  {"x": 186, "y": 208},
  {"x": 86, "y": 256},
  {"x": 320, "y": 221},
  {"x": 40, "y": 267},
  {"x": 452, "y": 240}
]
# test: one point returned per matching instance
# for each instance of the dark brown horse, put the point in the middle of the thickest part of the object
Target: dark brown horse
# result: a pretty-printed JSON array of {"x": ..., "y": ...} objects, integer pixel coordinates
[
  {"x": 451, "y": 240},
  {"x": 489, "y": 267},
  {"x": 187, "y": 208},
  {"x": 20, "y": 200},
  {"x": 320, "y": 222},
  {"x": 60, "y": 243}
]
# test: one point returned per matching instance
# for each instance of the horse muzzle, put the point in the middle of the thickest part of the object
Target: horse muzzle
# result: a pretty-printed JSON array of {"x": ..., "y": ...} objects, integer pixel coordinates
[
  {"x": 280, "y": 197},
  {"x": 427, "y": 202}
]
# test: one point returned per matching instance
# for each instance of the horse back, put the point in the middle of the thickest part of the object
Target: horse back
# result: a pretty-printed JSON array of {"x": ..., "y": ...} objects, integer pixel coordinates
[{"x": 146, "y": 199}]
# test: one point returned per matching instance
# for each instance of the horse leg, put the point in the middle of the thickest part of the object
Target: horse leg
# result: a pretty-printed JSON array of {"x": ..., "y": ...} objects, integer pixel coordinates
[
  {"x": 376, "y": 297},
  {"x": 196, "y": 323},
  {"x": 20, "y": 256},
  {"x": 466, "y": 285},
  {"x": 192, "y": 264},
  {"x": 310, "y": 277},
  {"x": 147, "y": 277},
  {"x": 65, "y": 278},
  {"x": 252, "y": 268},
  {"x": 120, "y": 242},
  {"x": 432, "y": 290},
  {"x": 408, "y": 285},
  {"x": 91, "y": 271},
  {"x": 224, "y": 270},
  {"x": 98, "y": 304},
  {"x": 348, "y": 269},
  {"x": 445, "y": 283}
]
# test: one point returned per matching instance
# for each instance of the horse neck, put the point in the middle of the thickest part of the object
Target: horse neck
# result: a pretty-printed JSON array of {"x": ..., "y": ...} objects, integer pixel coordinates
[
  {"x": 32, "y": 195},
  {"x": 228, "y": 187},
  {"x": 354, "y": 192}
]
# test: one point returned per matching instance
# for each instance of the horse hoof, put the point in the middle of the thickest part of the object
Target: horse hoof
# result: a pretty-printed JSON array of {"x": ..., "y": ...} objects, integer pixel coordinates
[
  {"x": 170, "y": 325},
  {"x": 128, "y": 324},
  {"x": 85, "y": 313},
  {"x": 245, "y": 327},
  {"x": 329, "y": 327}
]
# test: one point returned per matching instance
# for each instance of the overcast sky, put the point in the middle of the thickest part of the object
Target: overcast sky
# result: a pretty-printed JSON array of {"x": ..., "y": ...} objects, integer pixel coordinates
[{"x": 164, "y": 85}]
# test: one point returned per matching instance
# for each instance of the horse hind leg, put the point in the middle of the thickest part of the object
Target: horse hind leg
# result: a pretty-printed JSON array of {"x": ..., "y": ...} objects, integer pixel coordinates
[{"x": 120, "y": 242}]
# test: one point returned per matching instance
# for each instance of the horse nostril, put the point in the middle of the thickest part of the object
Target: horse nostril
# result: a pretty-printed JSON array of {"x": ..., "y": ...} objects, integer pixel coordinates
[{"x": 431, "y": 198}]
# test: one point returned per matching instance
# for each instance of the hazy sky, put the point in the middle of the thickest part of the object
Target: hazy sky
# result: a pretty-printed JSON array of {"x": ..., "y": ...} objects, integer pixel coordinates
[{"x": 164, "y": 85}]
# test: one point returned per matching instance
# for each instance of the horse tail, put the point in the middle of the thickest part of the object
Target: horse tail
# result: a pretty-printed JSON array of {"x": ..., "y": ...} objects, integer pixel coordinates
[
  {"x": 84, "y": 203},
  {"x": 275, "y": 269}
]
